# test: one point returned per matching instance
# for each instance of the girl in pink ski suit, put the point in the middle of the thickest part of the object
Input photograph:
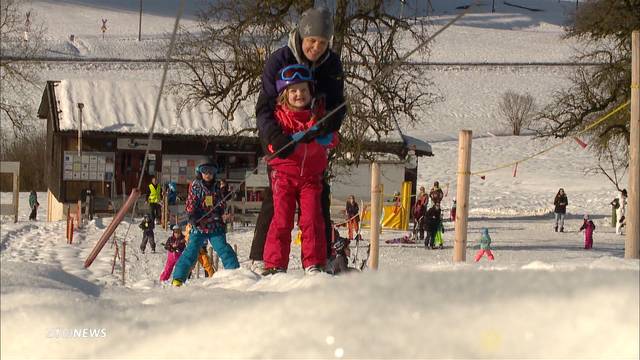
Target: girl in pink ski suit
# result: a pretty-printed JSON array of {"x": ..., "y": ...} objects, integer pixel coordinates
[
  {"x": 175, "y": 246},
  {"x": 588, "y": 226},
  {"x": 296, "y": 174}
]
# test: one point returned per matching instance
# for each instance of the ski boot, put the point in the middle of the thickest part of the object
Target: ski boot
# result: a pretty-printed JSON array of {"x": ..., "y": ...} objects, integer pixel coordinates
[
  {"x": 272, "y": 271},
  {"x": 176, "y": 283},
  {"x": 313, "y": 270}
]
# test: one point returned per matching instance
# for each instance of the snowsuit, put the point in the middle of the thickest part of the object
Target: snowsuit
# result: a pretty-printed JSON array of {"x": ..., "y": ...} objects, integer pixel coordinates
[
  {"x": 438, "y": 237},
  {"x": 560, "y": 202},
  {"x": 436, "y": 195},
  {"x": 329, "y": 83},
  {"x": 172, "y": 193},
  {"x": 33, "y": 205},
  {"x": 419, "y": 210},
  {"x": 174, "y": 246},
  {"x": 622, "y": 200},
  {"x": 485, "y": 246},
  {"x": 433, "y": 219},
  {"x": 147, "y": 227},
  {"x": 588, "y": 226},
  {"x": 452, "y": 215},
  {"x": 353, "y": 218},
  {"x": 154, "y": 201},
  {"x": 615, "y": 204},
  {"x": 339, "y": 260},
  {"x": 205, "y": 210},
  {"x": 297, "y": 179}
]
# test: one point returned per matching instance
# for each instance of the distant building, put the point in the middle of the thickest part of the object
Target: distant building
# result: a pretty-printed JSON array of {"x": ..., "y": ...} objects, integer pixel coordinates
[{"x": 114, "y": 118}]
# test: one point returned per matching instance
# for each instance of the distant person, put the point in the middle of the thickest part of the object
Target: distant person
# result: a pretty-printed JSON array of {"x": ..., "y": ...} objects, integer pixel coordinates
[
  {"x": 560, "y": 202},
  {"x": 433, "y": 219},
  {"x": 485, "y": 246},
  {"x": 172, "y": 193},
  {"x": 353, "y": 216},
  {"x": 419, "y": 211},
  {"x": 452, "y": 214},
  {"x": 589, "y": 227},
  {"x": 615, "y": 204},
  {"x": 33, "y": 205},
  {"x": 436, "y": 193},
  {"x": 622, "y": 199},
  {"x": 147, "y": 225},
  {"x": 155, "y": 195}
]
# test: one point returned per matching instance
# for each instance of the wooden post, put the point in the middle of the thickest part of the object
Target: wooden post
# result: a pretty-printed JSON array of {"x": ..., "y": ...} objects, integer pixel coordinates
[
  {"x": 124, "y": 258},
  {"x": 16, "y": 191},
  {"x": 79, "y": 214},
  {"x": 165, "y": 212},
  {"x": 376, "y": 198},
  {"x": 462, "y": 196},
  {"x": 632, "y": 242}
]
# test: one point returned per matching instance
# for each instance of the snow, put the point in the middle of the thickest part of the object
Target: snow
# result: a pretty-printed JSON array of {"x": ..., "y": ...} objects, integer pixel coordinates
[
  {"x": 543, "y": 296},
  {"x": 128, "y": 106}
]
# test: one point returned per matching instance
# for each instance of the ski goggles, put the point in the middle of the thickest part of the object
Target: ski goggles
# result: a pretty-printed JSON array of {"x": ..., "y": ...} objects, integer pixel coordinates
[
  {"x": 292, "y": 72},
  {"x": 206, "y": 169}
]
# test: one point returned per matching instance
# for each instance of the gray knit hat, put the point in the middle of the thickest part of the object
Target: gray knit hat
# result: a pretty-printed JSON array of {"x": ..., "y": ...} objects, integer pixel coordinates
[{"x": 316, "y": 22}]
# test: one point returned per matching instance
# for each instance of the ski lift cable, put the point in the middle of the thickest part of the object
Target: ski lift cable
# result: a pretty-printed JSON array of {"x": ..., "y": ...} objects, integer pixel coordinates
[{"x": 165, "y": 69}]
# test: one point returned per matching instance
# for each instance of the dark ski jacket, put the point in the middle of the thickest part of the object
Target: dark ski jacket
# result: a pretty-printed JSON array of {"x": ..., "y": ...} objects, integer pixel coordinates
[
  {"x": 329, "y": 83},
  {"x": 175, "y": 244},
  {"x": 432, "y": 219},
  {"x": 147, "y": 227},
  {"x": 560, "y": 203}
]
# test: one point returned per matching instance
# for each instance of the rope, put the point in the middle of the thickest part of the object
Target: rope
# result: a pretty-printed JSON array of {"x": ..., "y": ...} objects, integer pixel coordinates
[{"x": 591, "y": 126}]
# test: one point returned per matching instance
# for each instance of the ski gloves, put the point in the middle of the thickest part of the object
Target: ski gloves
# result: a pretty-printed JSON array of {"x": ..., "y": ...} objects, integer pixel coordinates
[{"x": 284, "y": 145}]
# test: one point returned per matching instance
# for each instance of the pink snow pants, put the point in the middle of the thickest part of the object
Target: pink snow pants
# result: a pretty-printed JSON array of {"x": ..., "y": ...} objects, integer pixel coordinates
[
  {"x": 481, "y": 252},
  {"x": 172, "y": 259},
  {"x": 287, "y": 191},
  {"x": 588, "y": 240}
]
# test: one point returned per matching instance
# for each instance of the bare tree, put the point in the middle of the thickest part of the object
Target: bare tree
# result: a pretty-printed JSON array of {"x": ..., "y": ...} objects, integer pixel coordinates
[
  {"x": 23, "y": 39},
  {"x": 613, "y": 163},
  {"x": 517, "y": 110},
  {"x": 605, "y": 27},
  {"x": 225, "y": 56}
]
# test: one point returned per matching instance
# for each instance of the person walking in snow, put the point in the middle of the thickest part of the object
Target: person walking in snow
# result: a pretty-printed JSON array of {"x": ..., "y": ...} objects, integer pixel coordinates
[
  {"x": 33, "y": 205},
  {"x": 296, "y": 175},
  {"x": 485, "y": 246},
  {"x": 560, "y": 203},
  {"x": 308, "y": 45},
  {"x": 353, "y": 216},
  {"x": 622, "y": 209},
  {"x": 175, "y": 246},
  {"x": 147, "y": 225},
  {"x": 615, "y": 204},
  {"x": 205, "y": 208},
  {"x": 436, "y": 193},
  {"x": 589, "y": 227}
]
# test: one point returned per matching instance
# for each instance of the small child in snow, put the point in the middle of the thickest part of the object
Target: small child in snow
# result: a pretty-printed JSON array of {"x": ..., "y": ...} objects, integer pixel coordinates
[
  {"x": 485, "y": 246},
  {"x": 339, "y": 260},
  {"x": 297, "y": 171},
  {"x": 147, "y": 225},
  {"x": 33, "y": 204},
  {"x": 175, "y": 246},
  {"x": 452, "y": 214},
  {"x": 589, "y": 227}
]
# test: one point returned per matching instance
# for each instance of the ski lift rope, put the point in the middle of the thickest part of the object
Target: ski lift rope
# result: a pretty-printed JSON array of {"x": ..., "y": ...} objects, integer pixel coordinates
[{"x": 383, "y": 73}]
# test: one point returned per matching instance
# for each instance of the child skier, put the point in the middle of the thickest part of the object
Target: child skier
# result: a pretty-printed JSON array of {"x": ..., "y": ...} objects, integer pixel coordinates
[
  {"x": 33, "y": 204},
  {"x": 485, "y": 246},
  {"x": 588, "y": 226},
  {"x": 175, "y": 246},
  {"x": 147, "y": 225},
  {"x": 205, "y": 209},
  {"x": 339, "y": 261},
  {"x": 433, "y": 220},
  {"x": 296, "y": 175},
  {"x": 452, "y": 214}
]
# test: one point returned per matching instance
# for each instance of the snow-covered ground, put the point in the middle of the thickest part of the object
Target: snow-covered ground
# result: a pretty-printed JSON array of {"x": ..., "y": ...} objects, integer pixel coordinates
[{"x": 542, "y": 297}]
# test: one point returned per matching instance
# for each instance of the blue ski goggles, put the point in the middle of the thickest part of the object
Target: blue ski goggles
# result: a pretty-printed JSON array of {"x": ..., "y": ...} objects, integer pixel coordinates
[
  {"x": 292, "y": 72},
  {"x": 206, "y": 169}
]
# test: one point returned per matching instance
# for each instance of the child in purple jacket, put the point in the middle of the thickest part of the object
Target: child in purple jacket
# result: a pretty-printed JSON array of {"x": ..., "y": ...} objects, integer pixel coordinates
[{"x": 588, "y": 226}]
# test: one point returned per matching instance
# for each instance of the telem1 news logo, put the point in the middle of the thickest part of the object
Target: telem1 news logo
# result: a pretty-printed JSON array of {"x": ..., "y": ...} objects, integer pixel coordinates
[{"x": 74, "y": 333}]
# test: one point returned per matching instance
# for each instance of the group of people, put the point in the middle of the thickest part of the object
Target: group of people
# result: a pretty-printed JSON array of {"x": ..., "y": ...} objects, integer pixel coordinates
[
  {"x": 429, "y": 219},
  {"x": 618, "y": 210}
]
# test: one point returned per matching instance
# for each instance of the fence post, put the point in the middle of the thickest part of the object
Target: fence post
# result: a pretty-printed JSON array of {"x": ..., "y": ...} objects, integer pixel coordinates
[
  {"x": 632, "y": 242},
  {"x": 462, "y": 195},
  {"x": 376, "y": 198}
]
